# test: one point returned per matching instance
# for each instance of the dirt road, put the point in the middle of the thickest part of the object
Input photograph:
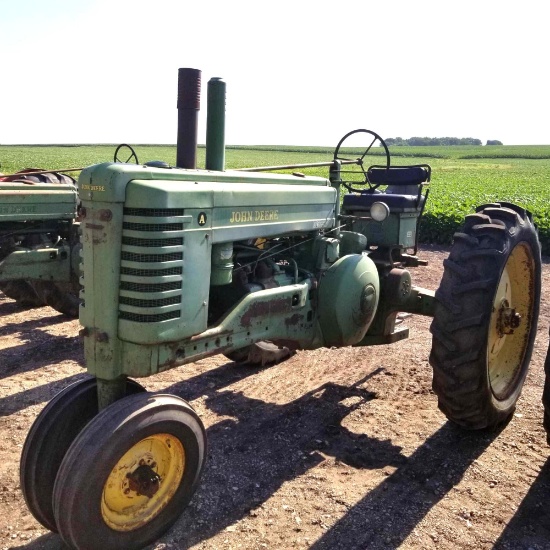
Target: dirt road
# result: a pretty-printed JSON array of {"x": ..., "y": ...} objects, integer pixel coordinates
[{"x": 330, "y": 449}]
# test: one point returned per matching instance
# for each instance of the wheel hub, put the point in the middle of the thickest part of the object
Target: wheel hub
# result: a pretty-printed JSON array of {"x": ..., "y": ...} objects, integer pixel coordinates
[
  {"x": 508, "y": 319},
  {"x": 144, "y": 480}
]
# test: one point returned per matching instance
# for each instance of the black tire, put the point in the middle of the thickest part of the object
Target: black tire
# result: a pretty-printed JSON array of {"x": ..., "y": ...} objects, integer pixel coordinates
[
  {"x": 23, "y": 293},
  {"x": 59, "y": 296},
  {"x": 491, "y": 282},
  {"x": 97, "y": 498},
  {"x": 546, "y": 395},
  {"x": 49, "y": 438}
]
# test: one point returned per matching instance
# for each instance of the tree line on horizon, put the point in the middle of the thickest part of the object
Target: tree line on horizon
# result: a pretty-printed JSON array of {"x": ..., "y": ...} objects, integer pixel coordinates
[{"x": 427, "y": 141}]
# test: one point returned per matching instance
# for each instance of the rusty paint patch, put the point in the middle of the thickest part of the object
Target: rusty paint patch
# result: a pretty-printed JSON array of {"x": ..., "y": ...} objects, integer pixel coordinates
[
  {"x": 265, "y": 309},
  {"x": 100, "y": 240},
  {"x": 293, "y": 320}
]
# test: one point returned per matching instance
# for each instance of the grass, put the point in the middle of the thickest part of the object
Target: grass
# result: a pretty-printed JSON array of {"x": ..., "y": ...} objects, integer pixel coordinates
[{"x": 463, "y": 177}]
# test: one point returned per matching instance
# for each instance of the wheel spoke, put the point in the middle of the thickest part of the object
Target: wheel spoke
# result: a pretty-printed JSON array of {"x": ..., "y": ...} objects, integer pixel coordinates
[
  {"x": 118, "y": 154},
  {"x": 359, "y": 176}
]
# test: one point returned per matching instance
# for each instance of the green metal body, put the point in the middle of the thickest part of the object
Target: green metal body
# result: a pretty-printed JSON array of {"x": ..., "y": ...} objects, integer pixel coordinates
[
  {"x": 181, "y": 264},
  {"x": 147, "y": 242},
  {"x": 37, "y": 230},
  {"x": 157, "y": 258},
  {"x": 215, "y": 122},
  {"x": 399, "y": 228}
]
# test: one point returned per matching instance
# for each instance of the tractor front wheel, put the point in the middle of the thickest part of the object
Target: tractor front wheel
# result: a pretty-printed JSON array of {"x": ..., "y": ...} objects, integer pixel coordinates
[
  {"x": 485, "y": 317},
  {"x": 48, "y": 440},
  {"x": 130, "y": 473}
]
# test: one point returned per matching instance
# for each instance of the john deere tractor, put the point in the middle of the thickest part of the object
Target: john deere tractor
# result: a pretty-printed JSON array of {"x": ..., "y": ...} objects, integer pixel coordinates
[
  {"x": 39, "y": 237},
  {"x": 39, "y": 240},
  {"x": 181, "y": 263}
]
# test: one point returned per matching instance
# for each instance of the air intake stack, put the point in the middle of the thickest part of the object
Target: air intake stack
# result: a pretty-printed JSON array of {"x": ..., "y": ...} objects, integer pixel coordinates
[{"x": 189, "y": 102}]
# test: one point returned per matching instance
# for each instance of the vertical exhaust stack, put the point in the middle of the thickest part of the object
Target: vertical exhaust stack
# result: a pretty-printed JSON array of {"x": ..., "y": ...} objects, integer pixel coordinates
[
  {"x": 189, "y": 103},
  {"x": 215, "y": 125}
]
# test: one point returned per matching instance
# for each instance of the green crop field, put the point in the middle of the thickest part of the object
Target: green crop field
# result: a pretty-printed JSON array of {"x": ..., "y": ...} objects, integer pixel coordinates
[{"x": 462, "y": 176}]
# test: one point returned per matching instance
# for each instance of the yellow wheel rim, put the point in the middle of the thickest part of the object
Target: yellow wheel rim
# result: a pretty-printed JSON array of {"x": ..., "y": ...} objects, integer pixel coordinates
[
  {"x": 143, "y": 482},
  {"x": 511, "y": 319}
]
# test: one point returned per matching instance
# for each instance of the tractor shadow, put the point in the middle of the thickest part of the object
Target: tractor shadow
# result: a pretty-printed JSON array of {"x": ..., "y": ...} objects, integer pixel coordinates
[
  {"x": 531, "y": 522},
  {"x": 41, "y": 394},
  {"x": 39, "y": 349},
  {"x": 409, "y": 493},
  {"x": 10, "y": 328},
  {"x": 284, "y": 442}
]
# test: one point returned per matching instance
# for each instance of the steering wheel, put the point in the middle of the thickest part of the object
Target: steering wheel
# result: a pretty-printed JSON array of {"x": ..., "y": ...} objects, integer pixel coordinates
[
  {"x": 359, "y": 176},
  {"x": 119, "y": 156}
]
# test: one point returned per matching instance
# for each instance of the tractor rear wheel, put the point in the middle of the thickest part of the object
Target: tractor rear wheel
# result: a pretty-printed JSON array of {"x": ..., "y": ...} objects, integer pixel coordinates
[
  {"x": 59, "y": 296},
  {"x": 48, "y": 440},
  {"x": 130, "y": 473},
  {"x": 22, "y": 292},
  {"x": 486, "y": 316}
]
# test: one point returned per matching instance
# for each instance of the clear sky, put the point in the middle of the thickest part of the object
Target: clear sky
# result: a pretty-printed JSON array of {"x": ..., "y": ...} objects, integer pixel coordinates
[{"x": 298, "y": 72}]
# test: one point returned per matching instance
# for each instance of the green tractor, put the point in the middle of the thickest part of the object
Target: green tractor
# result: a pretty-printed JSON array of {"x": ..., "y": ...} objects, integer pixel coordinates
[
  {"x": 181, "y": 263},
  {"x": 39, "y": 237},
  {"x": 39, "y": 241}
]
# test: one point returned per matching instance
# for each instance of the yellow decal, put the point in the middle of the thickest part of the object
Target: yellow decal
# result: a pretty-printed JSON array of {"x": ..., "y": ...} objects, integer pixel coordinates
[
  {"x": 87, "y": 187},
  {"x": 17, "y": 209},
  {"x": 243, "y": 216}
]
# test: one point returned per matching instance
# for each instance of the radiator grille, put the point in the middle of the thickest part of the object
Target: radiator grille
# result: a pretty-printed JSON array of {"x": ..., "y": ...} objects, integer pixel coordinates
[
  {"x": 155, "y": 318},
  {"x": 136, "y": 302},
  {"x": 151, "y": 258},
  {"x": 152, "y": 265},
  {"x": 134, "y": 241},
  {"x": 134, "y": 226},
  {"x": 153, "y": 212},
  {"x": 147, "y": 287},
  {"x": 151, "y": 272}
]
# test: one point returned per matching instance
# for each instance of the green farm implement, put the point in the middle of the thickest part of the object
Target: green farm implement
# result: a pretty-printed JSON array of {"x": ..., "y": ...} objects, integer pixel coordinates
[{"x": 180, "y": 263}]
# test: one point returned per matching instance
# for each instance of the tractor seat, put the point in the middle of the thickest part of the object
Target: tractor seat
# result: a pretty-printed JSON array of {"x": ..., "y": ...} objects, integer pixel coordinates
[
  {"x": 399, "y": 175},
  {"x": 402, "y": 194}
]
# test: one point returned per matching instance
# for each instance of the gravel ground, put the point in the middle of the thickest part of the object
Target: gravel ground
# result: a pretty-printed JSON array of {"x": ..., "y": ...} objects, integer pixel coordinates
[{"x": 331, "y": 449}]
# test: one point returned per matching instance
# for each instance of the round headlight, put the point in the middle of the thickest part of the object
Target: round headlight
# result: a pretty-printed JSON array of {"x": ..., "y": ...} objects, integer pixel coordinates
[{"x": 379, "y": 211}]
